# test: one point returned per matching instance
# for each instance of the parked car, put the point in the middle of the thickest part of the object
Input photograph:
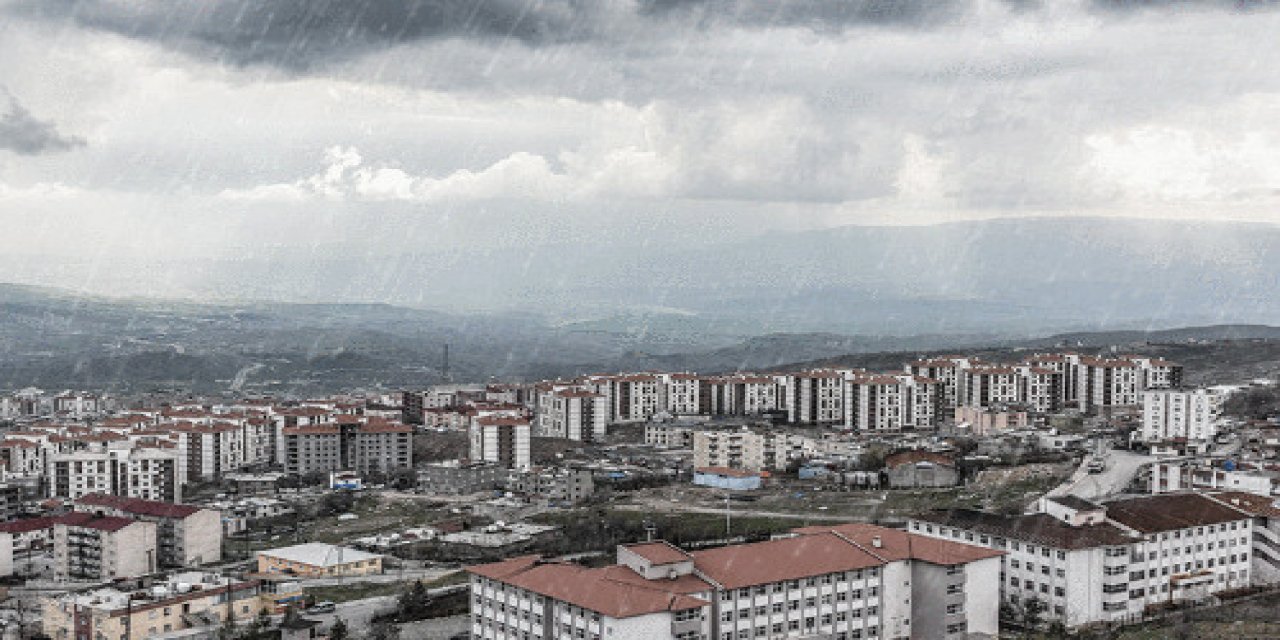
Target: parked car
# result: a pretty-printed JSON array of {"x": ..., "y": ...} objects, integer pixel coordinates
[{"x": 323, "y": 607}]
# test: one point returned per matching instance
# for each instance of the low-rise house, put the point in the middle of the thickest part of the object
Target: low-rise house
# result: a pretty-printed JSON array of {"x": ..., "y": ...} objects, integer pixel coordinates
[
  {"x": 143, "y": 609},
  {"x": 318, "y": 560},
  {"x": 456, "y": 478},
  {"x": 917, "y": 469},
  {"x": 726, "y": 478},
  {"x": 561, "y": 486}
]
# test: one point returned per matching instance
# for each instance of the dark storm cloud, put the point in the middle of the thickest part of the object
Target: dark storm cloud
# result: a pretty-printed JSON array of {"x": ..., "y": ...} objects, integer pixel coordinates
[
  {"x": 1240, "y": 5},
  {"x": 820, "y": 14},
  {"x": 24, "y": 134},
  {"x": 302, "y": 34}
]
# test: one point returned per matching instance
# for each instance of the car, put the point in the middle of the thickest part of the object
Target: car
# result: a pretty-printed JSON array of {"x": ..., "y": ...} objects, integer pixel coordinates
[{"x": 323, "y": 607}]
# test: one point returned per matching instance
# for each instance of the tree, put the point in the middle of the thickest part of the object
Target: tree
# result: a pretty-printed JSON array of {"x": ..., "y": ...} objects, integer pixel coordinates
[
  {"x": 336, "y": 503},
  {"x": 414, "y": 603},
  {"x": 339, "y": 630},
  {"x": 1033, "y": 613},
  {"x": 260, "y": 629},
  {"x": 384, "y": 631}
]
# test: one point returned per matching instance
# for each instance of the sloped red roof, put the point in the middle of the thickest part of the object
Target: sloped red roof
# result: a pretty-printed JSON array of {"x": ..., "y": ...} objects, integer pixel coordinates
[
  {"x": 746, "y": 565},
  {"x": 600, "y": 590},
  {"x": 896, "y": 544},
  {"x": 138, "y": 506}
]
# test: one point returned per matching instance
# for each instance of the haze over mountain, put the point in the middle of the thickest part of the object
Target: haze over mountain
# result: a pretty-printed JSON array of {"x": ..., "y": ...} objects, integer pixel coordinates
[{"x": 1004, "y": 277}]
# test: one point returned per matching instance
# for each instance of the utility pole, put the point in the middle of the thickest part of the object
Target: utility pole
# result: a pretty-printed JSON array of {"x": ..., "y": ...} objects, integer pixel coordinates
[{"x": 727, "y": 517}]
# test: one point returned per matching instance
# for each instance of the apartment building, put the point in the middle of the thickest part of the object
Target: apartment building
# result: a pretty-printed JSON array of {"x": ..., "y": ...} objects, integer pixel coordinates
[
  {"x": 682, "y": 394},
  {"x": 662, "y": 434},
  {"x": 1092, "y": 563},
  {"x": 1158, "y": 373},
  {"x": 91, "y": 547},
  {"x": 745, "y": 449},
  {"x": 349, "y": 444},
  {"x": 188, "y": 602},
  {"x": 1169, "y": 414},
  {"x": 814, "y": 397},
  {"x": 739, "y": 395},
  {"x": 1183, "y": 474},
  {"x": 501, "y": 440},
  {"x": 574, "y": 413},
  {"x": 149, "y": 472},
  {"x": 560, "y": 486},
  {"x": 21, "y": 457},
  {"x": 840, "y": 582},
  {"x": 890, "y": 403},
  {"x": 949, "y": 372},
  {"x": 1109, "y": 383},
  {"x": 209, "y": 450},
  {"x": 635, "y": 398},
  {"x": 991, "y": 385},
  {"x": 187, "y": 536}
]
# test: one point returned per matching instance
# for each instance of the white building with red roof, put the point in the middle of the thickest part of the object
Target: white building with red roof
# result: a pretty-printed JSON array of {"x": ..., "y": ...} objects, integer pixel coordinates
[{"x": 839, "y": 581}]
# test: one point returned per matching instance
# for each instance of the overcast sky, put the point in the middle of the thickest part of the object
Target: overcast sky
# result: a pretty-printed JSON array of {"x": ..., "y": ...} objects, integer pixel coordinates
[{"x": 215, "y": 127}]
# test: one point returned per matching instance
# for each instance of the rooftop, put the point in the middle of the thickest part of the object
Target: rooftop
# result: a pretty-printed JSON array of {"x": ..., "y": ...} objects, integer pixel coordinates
[
  {"x": 319, "y": 554},
  {"x": 1154, "y": 514},
  {"x": 1039, "y": 528},
  {"x": 138, "y": 506},
  {"x": 746, "y": 565},
  {"x": 613, "y": 591},
  {"x": 1075, "y": 502},
  {"x": 659, "y": 552},
  {"x": 896, "y": 544}
]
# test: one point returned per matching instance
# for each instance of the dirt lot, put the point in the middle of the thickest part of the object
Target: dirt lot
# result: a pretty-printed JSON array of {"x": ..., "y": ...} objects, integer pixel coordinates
[{"x": 1009, "y": 490}]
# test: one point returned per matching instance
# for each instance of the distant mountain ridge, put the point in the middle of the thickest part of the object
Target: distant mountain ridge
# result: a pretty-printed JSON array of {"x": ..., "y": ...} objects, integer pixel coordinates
[{"x": 57, "y": 339}]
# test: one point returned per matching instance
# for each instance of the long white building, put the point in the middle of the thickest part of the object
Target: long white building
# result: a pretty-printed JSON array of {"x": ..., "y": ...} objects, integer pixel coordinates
[
  {"x": 1092, "y": 563},
  {"x": 837, "y": 581}
]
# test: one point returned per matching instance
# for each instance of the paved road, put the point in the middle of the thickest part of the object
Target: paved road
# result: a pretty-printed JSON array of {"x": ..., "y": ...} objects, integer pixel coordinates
[
  {"x": 737, "y": 511},
  {"x": 1122, "y": 466},
  {"x": 358, "y": 614},
  {"x": 391, "y": 575}
]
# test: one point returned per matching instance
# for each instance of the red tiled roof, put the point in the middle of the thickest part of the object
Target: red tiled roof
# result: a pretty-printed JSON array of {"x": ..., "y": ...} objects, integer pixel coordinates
[
  {"x": 1249, "y": 502},
  {"x": 601, "y": 590},
  {"x": 1037, "y": 528},
  {"x": 91, "y": 521},
  {"x": 746, "y": 565},
  {"x": 29, "y": 524},
  {"x": 1153, "y": 514},
  {"x": 138, "y": 506},
  {"x": 896, "y": 544}
]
